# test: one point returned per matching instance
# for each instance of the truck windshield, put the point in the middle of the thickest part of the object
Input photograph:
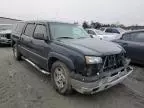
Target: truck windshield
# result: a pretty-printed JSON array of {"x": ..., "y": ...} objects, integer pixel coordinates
[{"x": 67, "y": 31}]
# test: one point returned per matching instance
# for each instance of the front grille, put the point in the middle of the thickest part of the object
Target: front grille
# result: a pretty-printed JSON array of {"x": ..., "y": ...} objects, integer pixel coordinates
[{"x": 111, "y": 62}]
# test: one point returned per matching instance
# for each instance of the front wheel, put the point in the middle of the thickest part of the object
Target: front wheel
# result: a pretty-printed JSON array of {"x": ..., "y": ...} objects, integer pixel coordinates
[
  {"x": 16, "y": 53},
  {"x": 60, "y": 78}
]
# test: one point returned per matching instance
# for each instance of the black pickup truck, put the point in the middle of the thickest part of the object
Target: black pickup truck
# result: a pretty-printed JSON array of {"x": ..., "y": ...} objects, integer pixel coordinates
[{"x": 74, "y": 60}]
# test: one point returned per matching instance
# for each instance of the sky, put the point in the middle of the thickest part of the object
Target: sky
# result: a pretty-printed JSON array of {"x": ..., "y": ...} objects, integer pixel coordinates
[{"x": 128, "y": 12}]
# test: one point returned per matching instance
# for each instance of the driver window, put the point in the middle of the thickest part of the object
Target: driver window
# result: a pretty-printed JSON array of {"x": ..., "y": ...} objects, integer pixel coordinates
[
  {"x": 41, "y": 29},
  {"x": 139, "y": 37},
  {"x": 128, "y": 37}
]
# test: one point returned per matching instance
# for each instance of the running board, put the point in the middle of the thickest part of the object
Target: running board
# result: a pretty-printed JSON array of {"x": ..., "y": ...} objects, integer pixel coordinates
[{"x": 34, "y": 65}]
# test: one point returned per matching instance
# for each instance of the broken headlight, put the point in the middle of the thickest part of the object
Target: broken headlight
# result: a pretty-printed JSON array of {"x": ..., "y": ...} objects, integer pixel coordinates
[
  {"x": 93, "y": 69},
  {"x": 93, "y": 60}
]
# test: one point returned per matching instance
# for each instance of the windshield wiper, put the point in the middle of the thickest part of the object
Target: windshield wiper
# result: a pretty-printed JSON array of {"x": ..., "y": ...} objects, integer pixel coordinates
[{"x": 65, "y": 37}]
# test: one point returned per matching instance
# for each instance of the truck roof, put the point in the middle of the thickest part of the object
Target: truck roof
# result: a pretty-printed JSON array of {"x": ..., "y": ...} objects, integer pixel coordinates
[{"x": 47, "y": 21}]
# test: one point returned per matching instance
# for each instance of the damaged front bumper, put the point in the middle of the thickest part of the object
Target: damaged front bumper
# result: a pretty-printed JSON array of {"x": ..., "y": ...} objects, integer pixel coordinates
[{"x": 101, "y": 84}]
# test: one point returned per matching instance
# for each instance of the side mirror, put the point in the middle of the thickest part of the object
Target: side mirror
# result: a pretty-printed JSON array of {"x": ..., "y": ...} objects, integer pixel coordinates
[{"x": 39, "y": 36}]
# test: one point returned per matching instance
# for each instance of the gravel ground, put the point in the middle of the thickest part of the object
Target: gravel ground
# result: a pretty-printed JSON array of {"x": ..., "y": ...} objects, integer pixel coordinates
[{"x": 22, "y": 86}]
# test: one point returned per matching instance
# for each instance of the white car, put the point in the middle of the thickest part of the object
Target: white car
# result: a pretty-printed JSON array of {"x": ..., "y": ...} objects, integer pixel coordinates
[
  {"x": 112, "y": 30},
  {"x": 101, "y": 35}
]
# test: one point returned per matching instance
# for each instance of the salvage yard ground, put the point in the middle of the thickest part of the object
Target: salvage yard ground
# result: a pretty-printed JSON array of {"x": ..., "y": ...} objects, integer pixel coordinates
[{"x": 22, "y": 86}]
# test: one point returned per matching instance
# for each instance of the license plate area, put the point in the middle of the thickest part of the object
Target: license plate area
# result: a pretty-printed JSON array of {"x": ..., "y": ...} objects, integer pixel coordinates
[{"x": 112, "y": 77}]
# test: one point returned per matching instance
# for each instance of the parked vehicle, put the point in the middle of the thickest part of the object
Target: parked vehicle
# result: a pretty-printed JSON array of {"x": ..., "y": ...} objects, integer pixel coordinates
[
  {"x": 5, "y": 37},
  {"x": 112, "y": 30},
  {"x": 74, "y": 60},
  {"x": 102, "y": 35},
  {"x": 93, "y": 32},
  {"x": 133, "y": 43}
]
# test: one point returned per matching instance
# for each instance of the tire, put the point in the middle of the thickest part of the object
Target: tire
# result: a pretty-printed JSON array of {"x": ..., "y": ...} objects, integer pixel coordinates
[
  {"x": 16, "y": 52},
  {"x": 60, "y": 68}
]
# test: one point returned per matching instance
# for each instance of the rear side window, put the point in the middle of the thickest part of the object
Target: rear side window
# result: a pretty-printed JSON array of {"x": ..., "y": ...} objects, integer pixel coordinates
[
  {"x": 131, "y": 36},
  {"x": 19, "y": 27},
  {"x": 108, "y": 30},
  {"x": 127, "y": 37},
  {"x": 29, "y": 30}
]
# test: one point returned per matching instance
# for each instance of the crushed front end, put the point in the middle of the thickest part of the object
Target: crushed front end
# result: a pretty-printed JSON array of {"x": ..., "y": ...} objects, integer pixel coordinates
[{"x": 112, "y": 70}]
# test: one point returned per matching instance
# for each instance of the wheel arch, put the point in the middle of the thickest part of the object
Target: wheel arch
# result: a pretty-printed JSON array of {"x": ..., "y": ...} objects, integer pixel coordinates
[{"x": 53, "y": 57}]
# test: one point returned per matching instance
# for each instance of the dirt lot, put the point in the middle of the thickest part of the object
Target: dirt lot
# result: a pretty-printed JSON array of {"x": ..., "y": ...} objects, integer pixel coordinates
[{"x": 22, "y": 86}]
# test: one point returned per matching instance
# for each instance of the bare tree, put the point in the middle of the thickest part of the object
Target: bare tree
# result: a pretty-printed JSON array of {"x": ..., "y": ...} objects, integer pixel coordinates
[{"x": 85, "y": 25}]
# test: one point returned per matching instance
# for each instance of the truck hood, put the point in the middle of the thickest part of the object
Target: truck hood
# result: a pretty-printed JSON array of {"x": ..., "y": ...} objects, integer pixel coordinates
[{"x": 92, "y": 46}]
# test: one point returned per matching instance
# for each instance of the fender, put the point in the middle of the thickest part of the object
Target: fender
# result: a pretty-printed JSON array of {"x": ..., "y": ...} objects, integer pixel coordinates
[{"x": 63, "y": 59}]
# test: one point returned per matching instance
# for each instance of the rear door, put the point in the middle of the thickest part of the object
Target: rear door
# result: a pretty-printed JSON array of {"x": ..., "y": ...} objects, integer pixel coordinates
[
  {"x": 26, "y": 40},
  {"x": 17, "y": 31}
]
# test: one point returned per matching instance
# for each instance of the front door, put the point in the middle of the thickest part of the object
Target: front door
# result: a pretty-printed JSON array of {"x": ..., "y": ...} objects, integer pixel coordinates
[{"x": 39, "y": 47}]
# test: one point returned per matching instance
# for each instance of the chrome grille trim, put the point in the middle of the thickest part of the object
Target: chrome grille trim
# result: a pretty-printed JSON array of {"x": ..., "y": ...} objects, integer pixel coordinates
[{"x": 111, "y": 62}]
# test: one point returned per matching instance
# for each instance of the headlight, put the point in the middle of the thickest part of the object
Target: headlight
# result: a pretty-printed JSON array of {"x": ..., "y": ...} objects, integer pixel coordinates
[{"x": 93, "y": 60}]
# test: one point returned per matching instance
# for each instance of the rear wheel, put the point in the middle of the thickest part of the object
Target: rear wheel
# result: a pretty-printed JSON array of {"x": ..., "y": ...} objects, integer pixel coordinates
[
  {"x": 60, "y": 78},
  {"x": 16, "y": 53}
]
